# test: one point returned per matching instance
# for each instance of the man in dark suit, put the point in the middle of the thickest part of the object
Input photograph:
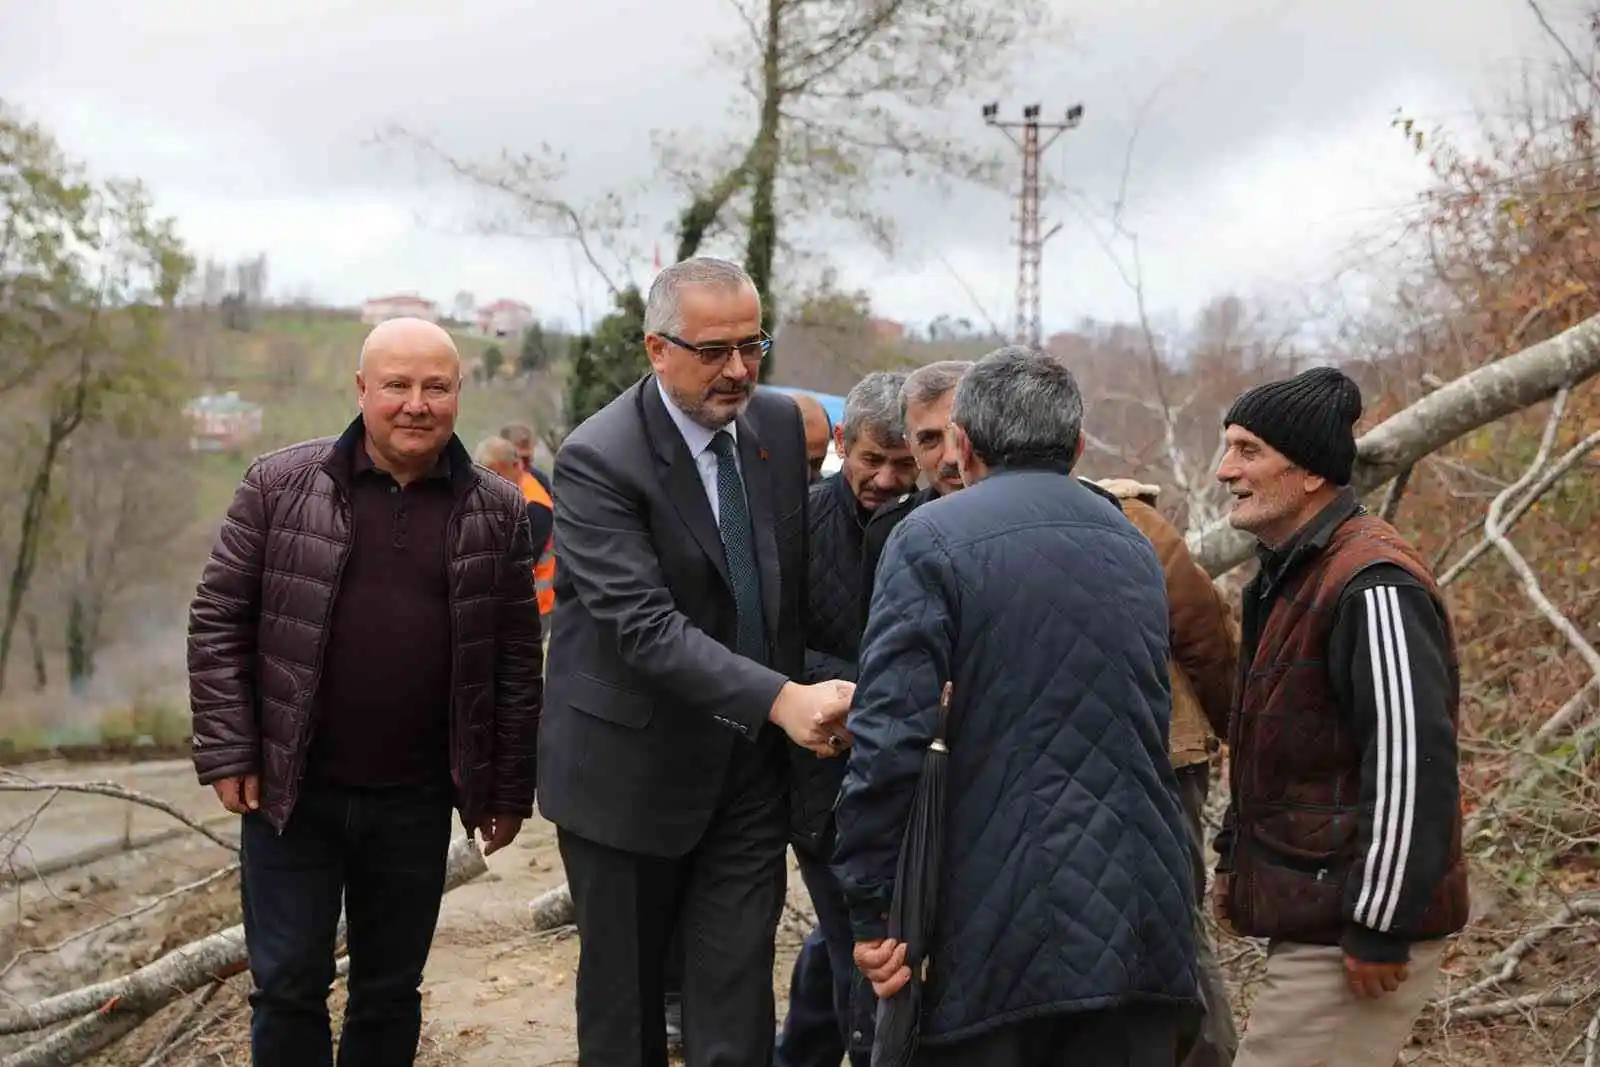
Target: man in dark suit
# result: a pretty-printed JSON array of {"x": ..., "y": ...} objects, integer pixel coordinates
[{"x": 680, "y": 593}]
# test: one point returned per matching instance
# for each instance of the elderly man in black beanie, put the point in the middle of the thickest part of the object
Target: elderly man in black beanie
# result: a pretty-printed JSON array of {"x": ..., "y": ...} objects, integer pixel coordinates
[{"x": 1342, "y": 841}]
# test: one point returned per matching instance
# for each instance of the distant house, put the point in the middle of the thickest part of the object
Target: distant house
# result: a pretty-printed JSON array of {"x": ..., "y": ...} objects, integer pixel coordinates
[
  {"x": 222, "y": 423},
  {"x": 887, "y": 331},
  {"x": 504, "y": 318},
  {"x": 399, "y": 306}
]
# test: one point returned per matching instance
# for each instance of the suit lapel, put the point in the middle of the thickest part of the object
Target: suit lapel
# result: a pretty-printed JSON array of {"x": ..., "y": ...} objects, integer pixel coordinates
[
  {"x": 684, "y": 487},
  {"x": 758, "y": 488}
]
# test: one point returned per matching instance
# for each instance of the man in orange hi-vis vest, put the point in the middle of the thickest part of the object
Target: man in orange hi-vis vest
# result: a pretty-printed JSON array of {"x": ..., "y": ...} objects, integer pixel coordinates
[{"x": 500, "y": 455}]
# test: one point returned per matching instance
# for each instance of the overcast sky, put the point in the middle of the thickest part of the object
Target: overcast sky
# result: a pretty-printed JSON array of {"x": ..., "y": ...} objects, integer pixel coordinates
[{"x": 1266, "y": 151}]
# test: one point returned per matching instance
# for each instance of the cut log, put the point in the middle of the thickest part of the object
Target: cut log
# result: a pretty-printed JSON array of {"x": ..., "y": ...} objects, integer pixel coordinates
[
  {"x": 552, "y": 909},
  {"x": 106, "y": 1011},
  {"x": 1454, "y": 410}
]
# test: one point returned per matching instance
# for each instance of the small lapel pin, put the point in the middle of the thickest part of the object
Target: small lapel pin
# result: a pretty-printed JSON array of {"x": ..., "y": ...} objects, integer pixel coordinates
[{"x": 762, "y": 453}]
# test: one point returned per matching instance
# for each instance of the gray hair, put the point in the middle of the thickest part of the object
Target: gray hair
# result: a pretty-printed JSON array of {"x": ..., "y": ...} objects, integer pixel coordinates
[
  {"x": 929, "y": 383},
  {"x": 520, "y": 434},
  {"x": 1020, "y": 408},
  {"x": 661, "y": 311},
  {"x": 873, "y": 406},
  {"x": 492, "y": 450}
]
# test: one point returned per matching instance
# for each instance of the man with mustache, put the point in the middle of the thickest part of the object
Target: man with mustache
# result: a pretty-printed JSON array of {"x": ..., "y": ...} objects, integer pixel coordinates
[
  {"x": 680, "y": 513},
  {"x": 364, "y": 655},
  {"x": 824, "y": 1018},
  {"x": 925, "y": 401}
]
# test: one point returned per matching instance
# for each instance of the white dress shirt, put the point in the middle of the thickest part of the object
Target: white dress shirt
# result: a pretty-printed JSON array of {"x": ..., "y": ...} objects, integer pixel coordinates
[{"x": 698, "y": 439}]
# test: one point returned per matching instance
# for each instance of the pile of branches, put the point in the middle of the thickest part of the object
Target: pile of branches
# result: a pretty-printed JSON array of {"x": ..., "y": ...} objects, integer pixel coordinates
[{"x": 70, "y": 1026}]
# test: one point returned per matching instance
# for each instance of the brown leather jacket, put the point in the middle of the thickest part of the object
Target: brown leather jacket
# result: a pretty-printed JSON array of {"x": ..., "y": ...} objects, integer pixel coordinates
[
  {"x": 1205, "y": 639},
  {"x": 258, "y": 627}
]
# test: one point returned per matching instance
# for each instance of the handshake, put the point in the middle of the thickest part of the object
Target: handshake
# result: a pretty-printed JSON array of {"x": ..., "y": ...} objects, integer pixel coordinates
[{"x": 813, "y": 715}]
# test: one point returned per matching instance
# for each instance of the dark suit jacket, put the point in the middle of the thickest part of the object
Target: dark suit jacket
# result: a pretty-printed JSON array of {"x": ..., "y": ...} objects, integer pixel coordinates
[{"x": 645, "y": 699}]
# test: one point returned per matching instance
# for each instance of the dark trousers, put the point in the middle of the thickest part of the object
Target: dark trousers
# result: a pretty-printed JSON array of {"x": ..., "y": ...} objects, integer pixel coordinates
[
  {"x": 383, "y": 853},
  {"x": 672, "y": 986},
  {"x": 1132, "y": 1036},
  {"x": 725, "y": 895},
  {"x": 831, "y": 1006},
  {"x": 1218, "y": 1039}
]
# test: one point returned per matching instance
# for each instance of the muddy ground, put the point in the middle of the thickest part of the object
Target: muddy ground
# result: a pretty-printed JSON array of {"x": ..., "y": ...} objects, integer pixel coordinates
[{"x": 497, "y": 992}]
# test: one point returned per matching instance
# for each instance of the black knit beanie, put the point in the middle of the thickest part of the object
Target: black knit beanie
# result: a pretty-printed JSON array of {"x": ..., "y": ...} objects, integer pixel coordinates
[{"x": 1310, "y": 418}]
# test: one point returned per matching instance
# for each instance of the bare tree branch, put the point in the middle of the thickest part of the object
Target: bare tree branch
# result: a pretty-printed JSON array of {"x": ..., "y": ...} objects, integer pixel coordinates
[
  {"x": 529, "y": 181},
  {"x": 1494, "y": 530},
  {"x": 1587, "y": 73},
  {"x": 18, "y": 832},
  {"x": 12, "y": 782},
  {"x": 1505, "y": 962},
  {"x": 1475, "y": 399},
  {"x": 182, "y": 1029},
  {"x": 1549, "y": 478},
  {"x": 105, "y": 1011},
  {"x": 1551, "y": 998},
  {"x": 149, "y": 906}
]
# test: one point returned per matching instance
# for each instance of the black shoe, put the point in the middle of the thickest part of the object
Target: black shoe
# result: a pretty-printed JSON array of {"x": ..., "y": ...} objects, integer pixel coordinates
[{"x": 674, "y": 1012}]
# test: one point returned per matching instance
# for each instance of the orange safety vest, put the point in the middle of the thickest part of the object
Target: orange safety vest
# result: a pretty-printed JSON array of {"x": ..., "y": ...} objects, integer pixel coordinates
[{"x": 544, "y": 569}]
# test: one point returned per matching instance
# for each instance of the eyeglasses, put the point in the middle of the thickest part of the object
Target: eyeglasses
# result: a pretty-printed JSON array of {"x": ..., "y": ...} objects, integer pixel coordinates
[{"x": 715, "y": 355}]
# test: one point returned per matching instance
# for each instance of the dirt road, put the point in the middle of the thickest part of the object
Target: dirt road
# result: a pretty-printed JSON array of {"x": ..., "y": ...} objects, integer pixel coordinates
[
  {"x": 495, "y": 993},
  {"x": 72, "y": 824}
]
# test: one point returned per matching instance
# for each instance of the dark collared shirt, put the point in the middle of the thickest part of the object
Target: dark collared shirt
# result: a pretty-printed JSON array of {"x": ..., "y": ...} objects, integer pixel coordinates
[{"x": 383, "y": 705}]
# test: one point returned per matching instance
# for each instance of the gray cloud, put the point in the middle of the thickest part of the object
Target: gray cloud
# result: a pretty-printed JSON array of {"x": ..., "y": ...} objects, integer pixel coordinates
[{"x": 1266, "y": 139}]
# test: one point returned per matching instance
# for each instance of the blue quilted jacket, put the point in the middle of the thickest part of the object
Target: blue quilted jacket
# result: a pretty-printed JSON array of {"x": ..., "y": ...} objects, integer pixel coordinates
[{"x": 1067, "y": 883}]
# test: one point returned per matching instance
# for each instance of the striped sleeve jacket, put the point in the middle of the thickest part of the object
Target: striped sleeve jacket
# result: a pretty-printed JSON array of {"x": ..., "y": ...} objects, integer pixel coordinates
[
  {"x": 1344, "y": 823},
  {"x": 1389, "y": 664}
]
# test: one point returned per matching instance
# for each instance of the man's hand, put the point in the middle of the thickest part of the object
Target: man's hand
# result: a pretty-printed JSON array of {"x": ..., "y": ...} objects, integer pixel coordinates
[
  {"x": 498, "y": 831},
  {"x": 884, "y": 964},
  {"x": 1221, "y": 895},
  {"x": 813, "y": 715},
  {"x": 240, "y": 795},
  {"x": 1373, "y": 980}
]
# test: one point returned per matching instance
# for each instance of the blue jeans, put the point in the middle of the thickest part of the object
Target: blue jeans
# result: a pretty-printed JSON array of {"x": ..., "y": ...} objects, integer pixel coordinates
[
  {"x": 831, "y": 1006},
  {"x": 383, "y": 853}
]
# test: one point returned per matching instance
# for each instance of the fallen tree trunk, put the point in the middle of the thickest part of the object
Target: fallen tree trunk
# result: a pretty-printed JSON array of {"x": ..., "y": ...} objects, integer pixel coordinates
[
  {"x": 1473, "y": 400},
  {"x": 106, "y": 1011},
  {"x": 552, "y": 909}
]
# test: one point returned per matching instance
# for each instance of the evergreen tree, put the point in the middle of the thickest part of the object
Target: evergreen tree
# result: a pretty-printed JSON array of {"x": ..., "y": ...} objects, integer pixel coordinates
[{"x": 607, "y": 361}]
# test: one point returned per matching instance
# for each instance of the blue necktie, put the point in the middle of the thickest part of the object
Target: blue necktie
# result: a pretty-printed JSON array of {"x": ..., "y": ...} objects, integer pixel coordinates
[{"x": 738, "y": 546}]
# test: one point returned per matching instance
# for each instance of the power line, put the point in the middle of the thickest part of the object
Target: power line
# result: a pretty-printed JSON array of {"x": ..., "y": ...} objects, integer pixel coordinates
[{"x": 1030, "y": 241}]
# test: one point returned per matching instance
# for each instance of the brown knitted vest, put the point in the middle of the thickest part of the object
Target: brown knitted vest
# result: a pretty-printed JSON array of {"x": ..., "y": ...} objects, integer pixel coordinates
[{"x": 1296, "y": 758}]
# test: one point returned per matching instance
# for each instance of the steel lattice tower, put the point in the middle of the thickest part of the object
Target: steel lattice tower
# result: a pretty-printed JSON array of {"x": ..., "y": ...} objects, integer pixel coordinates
[{"x": 1030, "y": 241}]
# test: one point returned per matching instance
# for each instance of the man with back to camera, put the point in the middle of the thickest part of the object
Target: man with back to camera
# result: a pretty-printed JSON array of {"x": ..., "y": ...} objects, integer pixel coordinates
[
  {"x": 830, "y": 1010},
  {"x": 1065, "y": 924},
  {"x": 681, "y": 534},
  {"x": 406, "y": 573},
  {"x": 1342, "y": 841}
]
